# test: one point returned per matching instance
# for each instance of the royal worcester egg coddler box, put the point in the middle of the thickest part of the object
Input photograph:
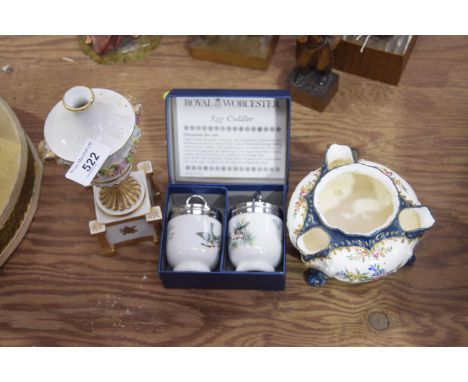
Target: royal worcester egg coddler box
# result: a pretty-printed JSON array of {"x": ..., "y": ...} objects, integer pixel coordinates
[{"x": 228, "y": 153}]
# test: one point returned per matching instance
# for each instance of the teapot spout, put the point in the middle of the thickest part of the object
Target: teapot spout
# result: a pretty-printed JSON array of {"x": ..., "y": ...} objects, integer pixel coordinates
[
  {"x": 313, "y": 243},
  {"x": 415, "y": 220},
  {"x": 338, "y": 155}
]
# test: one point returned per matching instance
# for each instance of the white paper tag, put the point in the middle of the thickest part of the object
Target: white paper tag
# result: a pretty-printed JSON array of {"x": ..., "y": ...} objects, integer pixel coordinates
[{"x": 92, "y": 156}]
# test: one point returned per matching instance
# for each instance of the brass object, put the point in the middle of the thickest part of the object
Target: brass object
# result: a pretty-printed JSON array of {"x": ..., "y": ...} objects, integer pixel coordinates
[{"x": 120, "y": 196}]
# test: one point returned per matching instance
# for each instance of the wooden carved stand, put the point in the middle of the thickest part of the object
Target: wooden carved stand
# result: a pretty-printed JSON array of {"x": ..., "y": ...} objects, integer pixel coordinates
[
  {"x": 253, "y": 52},
  {"x": 380, "y": 58},
  {"x": 311, "y": 95}
]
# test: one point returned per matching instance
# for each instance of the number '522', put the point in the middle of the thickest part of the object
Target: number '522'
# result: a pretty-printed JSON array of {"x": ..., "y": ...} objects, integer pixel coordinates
[{"x": 90, "y": 161}]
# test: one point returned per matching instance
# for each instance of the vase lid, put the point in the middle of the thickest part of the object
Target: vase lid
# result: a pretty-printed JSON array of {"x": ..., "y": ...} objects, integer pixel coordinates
[{"x": 100, "y": 114}]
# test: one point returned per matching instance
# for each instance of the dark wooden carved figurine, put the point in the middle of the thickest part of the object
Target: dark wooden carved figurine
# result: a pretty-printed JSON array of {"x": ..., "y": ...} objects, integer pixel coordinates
[{"x": 313, "y": 84}]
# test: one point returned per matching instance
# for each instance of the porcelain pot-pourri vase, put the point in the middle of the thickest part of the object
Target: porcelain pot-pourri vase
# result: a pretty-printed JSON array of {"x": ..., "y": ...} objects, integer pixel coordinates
[
  {"x": 355, "y": 220},
  {"x": 110, "y": 118}
]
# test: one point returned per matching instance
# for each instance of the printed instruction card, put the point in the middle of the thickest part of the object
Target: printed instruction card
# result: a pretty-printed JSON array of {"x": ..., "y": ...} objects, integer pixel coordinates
[{"x": 230, "y": 137}]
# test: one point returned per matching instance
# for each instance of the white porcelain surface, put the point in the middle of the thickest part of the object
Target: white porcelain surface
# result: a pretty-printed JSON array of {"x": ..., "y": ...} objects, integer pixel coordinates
[
  {"x": 110, "y": 120},
  {"x": 357, "y": 199},
  {"x": 255, "y": 241},
  {"x": 193, "y": 243}
]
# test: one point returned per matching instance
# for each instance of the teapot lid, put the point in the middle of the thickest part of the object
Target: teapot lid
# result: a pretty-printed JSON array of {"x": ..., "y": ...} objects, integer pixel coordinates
[{"x": 100, "y": 114}]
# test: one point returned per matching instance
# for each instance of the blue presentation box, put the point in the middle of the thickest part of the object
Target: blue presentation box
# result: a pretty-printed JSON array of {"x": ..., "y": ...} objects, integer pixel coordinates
[{"x": 226, "y": 145}]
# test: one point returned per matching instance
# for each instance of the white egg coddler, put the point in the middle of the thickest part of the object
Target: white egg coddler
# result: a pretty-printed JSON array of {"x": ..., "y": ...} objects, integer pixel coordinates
[
  {"x": 194, "y": 236},
  {"x": 255, "y": 235}
]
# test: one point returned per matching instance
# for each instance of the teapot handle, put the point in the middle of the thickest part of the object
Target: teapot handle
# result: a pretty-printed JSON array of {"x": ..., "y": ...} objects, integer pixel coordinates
[{"x": 338, "y": 155}]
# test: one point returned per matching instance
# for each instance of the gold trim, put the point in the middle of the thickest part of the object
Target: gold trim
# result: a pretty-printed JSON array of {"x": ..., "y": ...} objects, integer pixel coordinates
[
  {"x": 121, "y": 196},
  {"x": 81, "y": 108}
]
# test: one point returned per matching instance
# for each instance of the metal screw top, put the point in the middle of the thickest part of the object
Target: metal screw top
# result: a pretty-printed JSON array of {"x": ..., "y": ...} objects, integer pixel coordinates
[
  {"x": 190, "y": 208},
  {"x": 257, "y": 205}
]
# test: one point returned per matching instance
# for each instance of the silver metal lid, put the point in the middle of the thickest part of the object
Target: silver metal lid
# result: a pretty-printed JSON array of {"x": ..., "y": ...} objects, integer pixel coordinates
[
  {"x": 257, "y": 205},
  {"x": 195, "y": 208}
]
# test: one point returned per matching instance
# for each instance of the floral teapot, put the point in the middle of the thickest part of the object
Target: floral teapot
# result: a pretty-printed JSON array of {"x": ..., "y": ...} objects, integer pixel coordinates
[{"x": 354, "y": 220}]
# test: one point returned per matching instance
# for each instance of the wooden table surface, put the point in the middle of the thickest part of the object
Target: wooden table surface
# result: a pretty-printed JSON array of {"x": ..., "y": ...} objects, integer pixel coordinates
[{"x": 57, "y": 290}]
